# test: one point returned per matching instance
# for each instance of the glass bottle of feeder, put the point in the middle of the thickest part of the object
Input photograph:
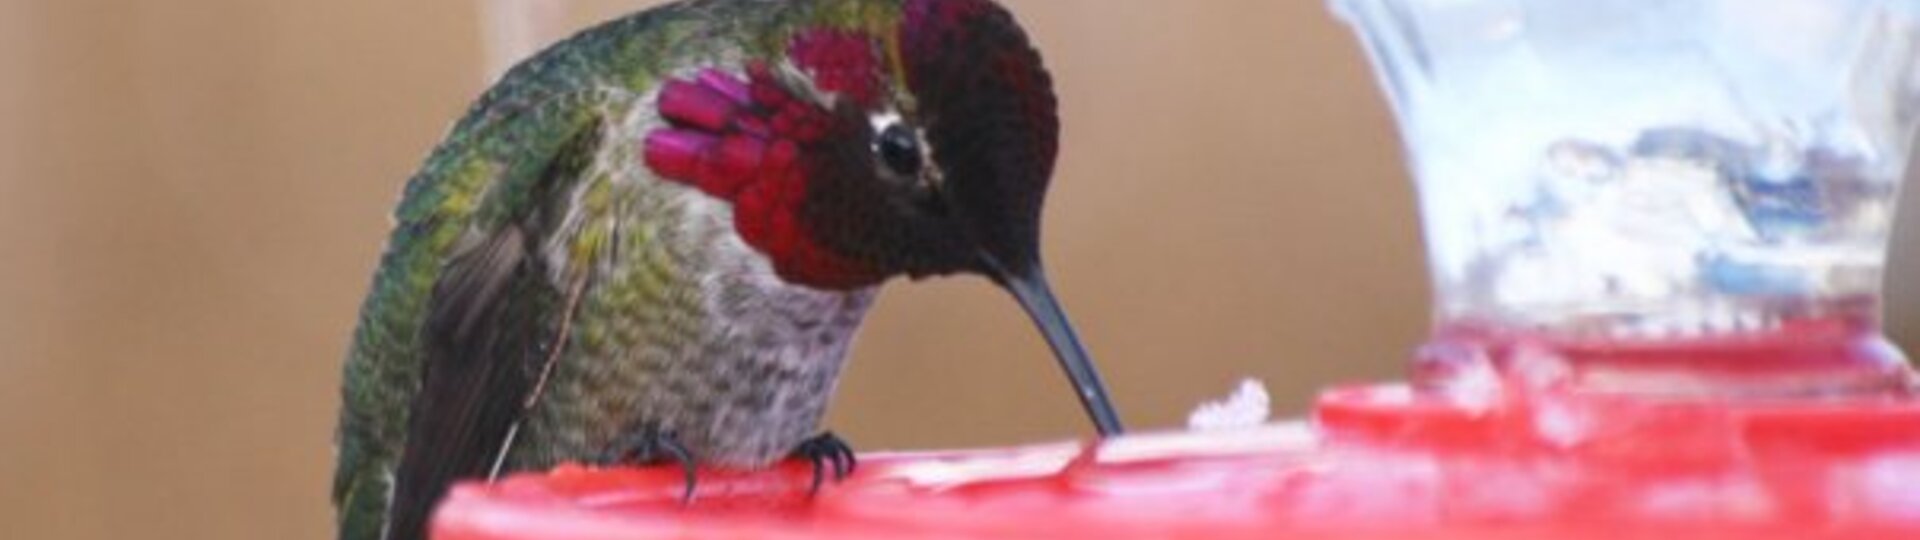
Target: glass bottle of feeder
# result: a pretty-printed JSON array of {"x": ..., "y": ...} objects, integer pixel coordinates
[{"x": 1684, "y": 198}]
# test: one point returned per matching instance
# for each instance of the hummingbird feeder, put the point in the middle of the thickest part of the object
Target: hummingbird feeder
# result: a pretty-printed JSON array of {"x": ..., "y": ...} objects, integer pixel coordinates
[{"x": 1656, "y": 232}]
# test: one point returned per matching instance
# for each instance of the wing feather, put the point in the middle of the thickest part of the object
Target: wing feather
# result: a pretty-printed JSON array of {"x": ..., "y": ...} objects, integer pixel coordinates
[{"x": 494, "y": 319}]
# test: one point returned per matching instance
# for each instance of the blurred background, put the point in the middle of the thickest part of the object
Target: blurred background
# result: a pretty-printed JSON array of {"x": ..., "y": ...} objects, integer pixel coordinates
[{"x": 193, "y": 194}]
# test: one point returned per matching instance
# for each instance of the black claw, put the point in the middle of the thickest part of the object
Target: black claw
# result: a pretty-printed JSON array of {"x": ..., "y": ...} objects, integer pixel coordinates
[
  {"x": 848, "y": 463},
  {"x": 826, "y": 451},
  {"x": 842, "y": 465},
  {"x": 651, "y": 446},
  {"x": 819, "y": 475},
  {"x": 680, "y": 454}
]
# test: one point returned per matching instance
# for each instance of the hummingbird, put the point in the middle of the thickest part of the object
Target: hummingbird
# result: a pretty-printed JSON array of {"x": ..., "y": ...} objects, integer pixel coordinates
[{"x": 653, "y": 242}]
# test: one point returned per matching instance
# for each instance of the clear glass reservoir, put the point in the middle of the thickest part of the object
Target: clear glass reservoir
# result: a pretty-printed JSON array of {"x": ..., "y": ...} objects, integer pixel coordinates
[{"x": 1604, "y": 178}]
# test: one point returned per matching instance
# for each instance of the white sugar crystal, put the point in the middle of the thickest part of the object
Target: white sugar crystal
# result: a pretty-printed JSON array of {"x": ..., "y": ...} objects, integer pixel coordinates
[{"x": 1248, "y": 406}]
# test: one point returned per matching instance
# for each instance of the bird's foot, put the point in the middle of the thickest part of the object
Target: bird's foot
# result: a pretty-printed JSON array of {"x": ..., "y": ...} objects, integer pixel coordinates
[
  {"x": 825, "y": 451},
  {"x": 650, "y": 446}
]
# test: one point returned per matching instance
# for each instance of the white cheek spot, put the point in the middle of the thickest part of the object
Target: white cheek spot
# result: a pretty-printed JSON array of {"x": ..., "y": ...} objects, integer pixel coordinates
[{"x": 885, "y": 119}]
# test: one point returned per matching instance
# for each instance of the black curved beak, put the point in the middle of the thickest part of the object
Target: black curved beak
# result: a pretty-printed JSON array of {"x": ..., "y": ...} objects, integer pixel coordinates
[{"x": 1029, "y": 287}]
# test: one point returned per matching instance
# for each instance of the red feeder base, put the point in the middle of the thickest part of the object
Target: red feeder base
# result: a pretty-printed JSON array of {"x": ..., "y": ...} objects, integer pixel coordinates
[{"x": 1377, "y": 462}]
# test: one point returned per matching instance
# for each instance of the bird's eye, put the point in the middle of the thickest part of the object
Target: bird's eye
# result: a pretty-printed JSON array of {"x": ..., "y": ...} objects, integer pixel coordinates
[{"x": 899, "y": 150}]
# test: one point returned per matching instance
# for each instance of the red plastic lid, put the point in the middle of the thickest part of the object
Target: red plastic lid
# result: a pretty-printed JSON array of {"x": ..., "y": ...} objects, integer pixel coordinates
[{"x": 1378, "y": 462}]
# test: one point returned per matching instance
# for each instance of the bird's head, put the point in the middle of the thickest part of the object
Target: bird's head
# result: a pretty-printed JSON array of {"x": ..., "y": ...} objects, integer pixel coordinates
[{"x": 918, "y": 147}]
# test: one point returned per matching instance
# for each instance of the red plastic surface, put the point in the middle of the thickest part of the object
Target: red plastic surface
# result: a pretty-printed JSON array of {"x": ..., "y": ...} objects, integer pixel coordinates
[{"x": 1377, "y": 462}]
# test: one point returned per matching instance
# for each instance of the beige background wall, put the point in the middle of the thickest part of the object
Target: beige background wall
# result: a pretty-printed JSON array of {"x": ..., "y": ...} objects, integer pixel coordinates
[{"x": 192, "y": 194}]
